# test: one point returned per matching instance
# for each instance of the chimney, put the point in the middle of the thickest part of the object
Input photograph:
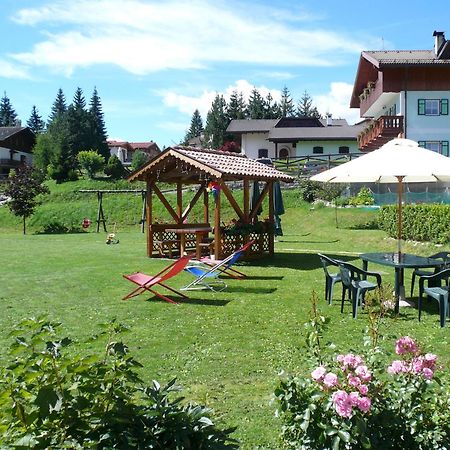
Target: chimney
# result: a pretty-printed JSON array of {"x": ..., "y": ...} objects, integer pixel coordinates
[
  {"x": 439, "y": 40},
  {"x": 329, "y": 120}
]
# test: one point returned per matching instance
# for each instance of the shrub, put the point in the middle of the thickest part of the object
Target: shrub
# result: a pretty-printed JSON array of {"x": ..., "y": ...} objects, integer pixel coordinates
[
  {"x": 56, "y": 227},
  {"x": 424, "y": 222},
  {"x": 49, "y": 399},
  {"x": 364, "y": 197},
  {"x": 139, "y": 159},
  {"x": 309, "y": 190},
  {"x": 90, "y": 161},
  {"x": 352, "y": 401},
  {"x": 114, "y": 168}
]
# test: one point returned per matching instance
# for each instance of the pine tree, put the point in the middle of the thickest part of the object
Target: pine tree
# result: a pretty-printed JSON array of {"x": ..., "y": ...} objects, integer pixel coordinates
[
  {"x": 59, "y": 106},
  {"x": 286, "y": 103},
  {"x": 256, "y": 105},
  {"x": 8, "y": 117},
  {"x": 35, "y": 122},
  {"x": 196, "y": 129},
  {"x": 216, "y": 123},
  {"x": 236, "y": 107},
  {"x": 98, "y": 126},
  {"x": 305, "y": 107},
  {"x": 272, "y": 109},
  {"x": 79, "y": 102}
]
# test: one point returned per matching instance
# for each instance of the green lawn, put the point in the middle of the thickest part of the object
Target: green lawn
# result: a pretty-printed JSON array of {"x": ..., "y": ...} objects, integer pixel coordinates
[{"x": 225, "y": 348}]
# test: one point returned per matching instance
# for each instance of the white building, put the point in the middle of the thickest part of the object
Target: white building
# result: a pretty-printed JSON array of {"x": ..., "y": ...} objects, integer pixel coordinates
[
  {"x": 407, "y": 92},
  {"x": 125, "y": 150},
  {"x": 296, "y": 137},
  {"x": 16, "y": 145}
]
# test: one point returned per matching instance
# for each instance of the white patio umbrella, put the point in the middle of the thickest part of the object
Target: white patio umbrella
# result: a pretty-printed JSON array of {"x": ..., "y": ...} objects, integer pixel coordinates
[{"x": 399, "y": 161}]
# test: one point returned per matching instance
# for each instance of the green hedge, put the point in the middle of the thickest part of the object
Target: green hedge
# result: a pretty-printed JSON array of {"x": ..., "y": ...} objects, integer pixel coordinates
[{"x": 423, "y": 222}]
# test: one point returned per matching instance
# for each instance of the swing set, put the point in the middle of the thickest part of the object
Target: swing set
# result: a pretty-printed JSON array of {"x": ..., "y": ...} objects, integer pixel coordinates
[{"x": 100, "y": 213}]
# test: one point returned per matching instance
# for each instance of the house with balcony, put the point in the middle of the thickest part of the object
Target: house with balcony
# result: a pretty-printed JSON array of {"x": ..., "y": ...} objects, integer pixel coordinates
[
  {"x": 125, "y": 150},
  {"x": 405, "y": 92},
  {"x": 296, "y": 137},
  {"x": 16, "y": 146}
]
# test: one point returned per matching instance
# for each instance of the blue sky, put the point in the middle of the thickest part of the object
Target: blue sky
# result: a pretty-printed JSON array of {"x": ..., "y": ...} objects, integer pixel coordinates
[{"x": 155, "y": 62}]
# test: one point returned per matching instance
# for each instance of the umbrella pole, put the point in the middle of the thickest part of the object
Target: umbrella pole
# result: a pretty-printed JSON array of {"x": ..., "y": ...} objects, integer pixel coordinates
[{"x": 400, "y": 218}]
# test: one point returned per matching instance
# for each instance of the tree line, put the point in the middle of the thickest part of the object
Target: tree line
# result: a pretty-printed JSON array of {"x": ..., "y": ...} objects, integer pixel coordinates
[
  {"x": 221, "y": 113},
  {"x": 70, "y": 129}
]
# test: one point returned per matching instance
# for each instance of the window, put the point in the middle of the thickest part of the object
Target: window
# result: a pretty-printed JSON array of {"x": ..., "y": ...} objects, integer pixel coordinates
[
  {"x": 317, "y": 150},
  {"x": 263, "y": 153},
  {"x": 432, "y": 107},
  {"x": 436, "y": 146},
  {"x": 344, "y": 149}
]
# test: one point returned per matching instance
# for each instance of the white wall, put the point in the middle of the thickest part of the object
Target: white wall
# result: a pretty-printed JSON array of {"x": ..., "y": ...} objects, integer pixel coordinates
[
  {"x": 5, "y": 153},
  {"x": 252, "y": 142},
  {"x": 305, "y": 148},
  {"x": 426, "y": 128}
]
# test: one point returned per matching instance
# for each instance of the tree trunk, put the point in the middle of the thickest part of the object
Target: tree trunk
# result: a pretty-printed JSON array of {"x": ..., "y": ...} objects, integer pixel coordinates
[{"x": 24, "y": 230}]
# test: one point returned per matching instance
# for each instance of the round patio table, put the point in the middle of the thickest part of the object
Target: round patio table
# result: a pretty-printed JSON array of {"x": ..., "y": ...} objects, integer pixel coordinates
[{"x": 400, "y": 263}]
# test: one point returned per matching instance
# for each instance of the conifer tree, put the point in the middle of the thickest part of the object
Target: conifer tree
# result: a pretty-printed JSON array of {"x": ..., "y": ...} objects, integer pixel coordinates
[
  {"x": 256, "y": 105},
  {"x": 99, "y": 134},
  {"x": 196, "y": 128},
  {"x": 35, "y": 122},
  {"x": 216, "y": 123},
  {"x": 236, "y": 106},
  {"x": 305, "y": 107},
  {"x": 59, "y": 106},
  {"x": 272, "y": 109},
  {"x": 287, "y": 103},
  {"x": 8, "y": 117}
]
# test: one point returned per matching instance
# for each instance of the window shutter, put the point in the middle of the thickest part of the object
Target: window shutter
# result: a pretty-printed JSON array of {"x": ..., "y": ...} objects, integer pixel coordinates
[
  {"x": 444, "y": 148},
  {"x": 421, "y": 144},
  {"x": 421, "y": 107},
  {"x": 444, "y": 106}
]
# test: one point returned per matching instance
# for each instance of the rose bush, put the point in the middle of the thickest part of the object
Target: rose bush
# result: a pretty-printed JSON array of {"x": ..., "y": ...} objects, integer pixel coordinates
[{"x": 368, "y": 401}]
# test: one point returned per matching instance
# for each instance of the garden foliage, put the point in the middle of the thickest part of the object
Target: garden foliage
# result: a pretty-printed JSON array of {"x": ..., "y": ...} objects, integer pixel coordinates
[
  {"x": 52, "y": 397},
  {"x": 355, "y": 401},
  {"x": 423, "y": 222},
  {"x": 364, "y": 197}
]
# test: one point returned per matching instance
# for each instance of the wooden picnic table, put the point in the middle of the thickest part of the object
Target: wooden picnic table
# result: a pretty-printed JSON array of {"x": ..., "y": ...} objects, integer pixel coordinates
[{"x": 199, "y": 234}]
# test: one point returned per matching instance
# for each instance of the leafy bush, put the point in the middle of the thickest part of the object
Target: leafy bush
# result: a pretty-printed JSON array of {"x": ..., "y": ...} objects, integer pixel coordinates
[
  {"x": 424, "y": 222},
  {"x": 353, "y": 401},
  {"x": 364, "y": 197},
  {"x": 309, "y": 190},
  {"x": 139, "y": 159},
  {"x": 91, "y": 161},
  {"x": 56, "y": 227},
  {"x": 114, "y": 168},
  {"x": 49, "y": 399}
]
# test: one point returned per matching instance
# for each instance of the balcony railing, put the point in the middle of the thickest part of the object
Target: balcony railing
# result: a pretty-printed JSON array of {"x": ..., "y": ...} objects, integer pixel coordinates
[
  {"x": 380, "y": 131},
  {"x": 6, "y": 162}
]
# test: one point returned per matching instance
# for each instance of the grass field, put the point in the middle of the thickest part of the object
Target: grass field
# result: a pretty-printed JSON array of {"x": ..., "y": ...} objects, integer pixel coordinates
[{"x": 225, "y": 348}]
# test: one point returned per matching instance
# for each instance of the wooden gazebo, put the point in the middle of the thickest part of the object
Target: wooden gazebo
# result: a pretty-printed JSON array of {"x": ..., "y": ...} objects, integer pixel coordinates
[{"x": 210, "y": 170}]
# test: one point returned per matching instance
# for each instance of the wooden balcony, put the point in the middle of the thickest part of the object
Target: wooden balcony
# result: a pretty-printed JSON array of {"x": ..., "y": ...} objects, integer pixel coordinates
[
  {"x": 380, "y": 131},
  {"x": 6, "y": 162}
]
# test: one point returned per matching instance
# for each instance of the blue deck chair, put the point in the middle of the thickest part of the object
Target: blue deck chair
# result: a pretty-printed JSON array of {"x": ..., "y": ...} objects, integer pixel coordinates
[{"x": 208, "y": 277}]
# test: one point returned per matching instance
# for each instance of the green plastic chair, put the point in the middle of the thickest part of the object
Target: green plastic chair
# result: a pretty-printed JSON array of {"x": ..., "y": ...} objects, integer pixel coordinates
[
  {"x": 355, "y": 281},
  {"x": 437, "y": 291},
  {"x": 445, "y": 256},
  {"x": 330, "y": 278}
]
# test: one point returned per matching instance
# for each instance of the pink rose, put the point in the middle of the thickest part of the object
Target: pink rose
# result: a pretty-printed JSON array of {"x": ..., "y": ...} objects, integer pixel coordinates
[
  {"x": 364, "y": 404},
  {"x": 427, "y": 373},
  {"x": 363, "y": 389},
  {"x": 318, "y": 373},
  {"x": 398, "y": 366},
  {"x": 342, "y": 403},
  {"x": 406, "y": 345},
  {"x": 353, "y": 381},
  {"x": 354, "y": 398},
  {"x": 330, "y": 380},
  {"x": 363, "y": 373}
]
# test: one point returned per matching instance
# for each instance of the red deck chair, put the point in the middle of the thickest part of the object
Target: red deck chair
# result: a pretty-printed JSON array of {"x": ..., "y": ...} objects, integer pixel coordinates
[
  {"x": 226, "y": 268},
  {"x": 147, "y": 282}
]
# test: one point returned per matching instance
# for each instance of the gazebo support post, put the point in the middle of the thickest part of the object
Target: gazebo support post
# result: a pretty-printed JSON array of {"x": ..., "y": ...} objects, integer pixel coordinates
[
  {"x": 246, "y": 200},
  {"x": 205, "y": 205},
  {"x": 180, "y": 202},
  {"x": 217, "y": 232},
  {"x": 149, "y": 213},
  {"x": 271, "y": 220},
  {"x": 144, "y": 202}
]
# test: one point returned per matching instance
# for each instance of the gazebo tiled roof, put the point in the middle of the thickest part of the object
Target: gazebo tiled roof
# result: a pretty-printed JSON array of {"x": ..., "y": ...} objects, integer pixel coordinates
[{"x": 190, "y": 165}]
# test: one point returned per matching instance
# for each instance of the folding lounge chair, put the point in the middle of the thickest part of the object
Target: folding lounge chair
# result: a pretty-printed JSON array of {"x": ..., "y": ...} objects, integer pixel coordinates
[
  {"x": 226, "y": 268},
  {"x": 147, "y": 282},
  {"x": 208, "y": 277}
]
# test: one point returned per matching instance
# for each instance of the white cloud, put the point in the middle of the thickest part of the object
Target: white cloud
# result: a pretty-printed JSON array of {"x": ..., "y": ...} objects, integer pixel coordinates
[
  {"x": 10, "y": 70},
  {"x": 147, "y": 36},
  {"x": 337, "y": 102}
]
